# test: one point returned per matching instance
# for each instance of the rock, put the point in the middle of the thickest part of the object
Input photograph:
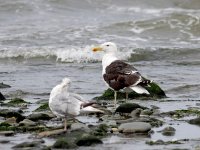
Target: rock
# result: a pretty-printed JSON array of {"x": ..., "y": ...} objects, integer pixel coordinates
[
  {"x": 195, "y": 121},
  {"x": 135, "y": 127},
  {"x": 161, "y": 142},
  {"x": 11, "y": 120},
  {"x": 146, "y": 112},
  {"x": 2, "y": 85},
  {"x": 2, "y": 97},
  {"x": 63, "y": 143},
  {"x": 40, "y": 116},
  {"x": 101, "y": 130},
  {"x": 168, "y": 131},
  {"x": 26, "y": 145},
  {"x": 79, "y": 126},
  {"x": 136, "y": 113},
  {"x": 51, "y": 133},
  {"x": 4, "y": 126},
  {"x": 17, "y": 101},
  {"x": 8, "y": 113},
  {"x": 88, "y": 141},
  {"x": 27, "y": 122},
  {"x": 154, "y": 90},
  {"x": 127, "y": 108},
  {"x": 43, "y": 107},
  {"x": 7, "y": 133},
  {"x": 112, "y": 123},
  {"x": 114, "y": 130}
]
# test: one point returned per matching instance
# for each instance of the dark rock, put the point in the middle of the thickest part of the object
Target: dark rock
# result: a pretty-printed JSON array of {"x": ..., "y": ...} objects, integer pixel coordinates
[
  {"x": 101, "y": 130},
  {"x": 63, "y": 143},
  {"x": 43, "y": 107},
  {"x": 168, "y": 131},
  {"x": 7, "y": 133},
  {"x": 2, "y": 85},
  {"x": 127, "y": 108},
  {"x": 135, "y": 127},
  {"x": 88, "y": 141},
  {"x": 195, "y": 121},
  {"x": 161, "y": 142},
  {"x": 11, "y": 113},
  {"x": 40, "y": 116},
  {"x": 5, "y": 126},
  {"x": 2, "y": 97},
  {"x": 154, "y": 90},
  {"x": 33, "y": 144},
  {"x": 17, "y": 101}
]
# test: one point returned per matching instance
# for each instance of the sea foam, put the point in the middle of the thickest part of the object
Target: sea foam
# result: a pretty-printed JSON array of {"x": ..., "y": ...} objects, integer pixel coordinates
[{"x": 66, "y": 54}]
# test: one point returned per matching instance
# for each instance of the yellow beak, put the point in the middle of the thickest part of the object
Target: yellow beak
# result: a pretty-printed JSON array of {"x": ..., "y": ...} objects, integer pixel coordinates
[{"x": 95, "y": 49}]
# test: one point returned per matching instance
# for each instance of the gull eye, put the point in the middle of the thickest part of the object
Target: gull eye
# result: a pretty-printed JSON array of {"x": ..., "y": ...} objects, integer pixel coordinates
[{"x": 107, "y": 45}]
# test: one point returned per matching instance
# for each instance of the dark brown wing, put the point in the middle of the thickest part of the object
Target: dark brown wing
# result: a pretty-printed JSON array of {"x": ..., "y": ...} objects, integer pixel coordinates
[{"x": 120, "y": 75}]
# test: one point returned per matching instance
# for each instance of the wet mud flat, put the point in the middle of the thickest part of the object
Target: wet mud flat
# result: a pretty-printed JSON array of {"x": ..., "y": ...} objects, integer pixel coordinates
[{"x": 142, "y": 124}]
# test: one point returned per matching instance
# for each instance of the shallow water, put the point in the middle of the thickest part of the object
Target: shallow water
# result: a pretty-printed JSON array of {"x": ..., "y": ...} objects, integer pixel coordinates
[{"x": 43, "y": 41}]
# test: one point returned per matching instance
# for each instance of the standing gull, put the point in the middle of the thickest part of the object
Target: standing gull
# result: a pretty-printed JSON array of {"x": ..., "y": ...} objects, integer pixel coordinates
[
  {"x": 119, "y": 75},
  {"x": 64, "y": 103}
]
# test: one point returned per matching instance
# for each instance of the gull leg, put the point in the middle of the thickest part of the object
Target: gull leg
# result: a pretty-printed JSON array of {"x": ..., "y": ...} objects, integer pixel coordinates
[
  {"x": 65, "y": 124},
  {"x": 126, "y": 96},
  {"x": 115, "y": 100}
]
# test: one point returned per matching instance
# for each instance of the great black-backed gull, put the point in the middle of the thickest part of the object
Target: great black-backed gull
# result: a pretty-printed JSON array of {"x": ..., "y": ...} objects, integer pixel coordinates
[
  {"x": 64, "y": 103},
  {"x": 119, "y": 75}
]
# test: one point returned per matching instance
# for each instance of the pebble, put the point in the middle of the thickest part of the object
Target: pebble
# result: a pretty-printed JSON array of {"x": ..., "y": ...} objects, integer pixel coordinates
[
  {"x": 168, "y": 131},
  {"x": 133, "y": 127},
  {"x": 27, "y": 122},
  {"x": 7, "y": 133}
]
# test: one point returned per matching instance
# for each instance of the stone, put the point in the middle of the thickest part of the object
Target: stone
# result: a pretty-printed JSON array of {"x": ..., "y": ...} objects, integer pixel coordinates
[
  {"x": 43, "y": 107},
  {"x": 136, "y": 113},
  {"x": 154, "y": 90},
  {"x": 11, "y": 120},
  {"x": 2, "y": 97},
  {"x": 88, "y": 141},
  {"x": 127, "y": 108},
  {"x": 161, "y": 142},
  {"x": 101, "y": 130},
  {"x": 26, "y": 145},
  {"x": 8, "y": 113},
  {"x": 195, "y": 121},
  {"x": 168, "y": 131},
  {"x": 114, "y": 130},
  {"x": 135, "y": 127},
  {"x": 146, "y": 112},
  {"x": 79, "y": 126},
  {"x": 17, "y": 101},
  {"x": 40, "y": 116},
  {"x": 7, "y": 133},
  {"x": 63, "y": 143},
  {"x": 2, "y": 85},
  {"x": 51, "y": 133},
  {"x": 27, "y": 122}
]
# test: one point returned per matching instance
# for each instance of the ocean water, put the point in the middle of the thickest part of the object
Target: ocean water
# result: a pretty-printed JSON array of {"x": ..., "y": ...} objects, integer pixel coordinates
[{"x": 42, "y": 41}]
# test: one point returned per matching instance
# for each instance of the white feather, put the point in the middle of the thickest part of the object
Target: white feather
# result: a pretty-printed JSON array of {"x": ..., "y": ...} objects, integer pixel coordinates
[{"x": 139, "y": 89}]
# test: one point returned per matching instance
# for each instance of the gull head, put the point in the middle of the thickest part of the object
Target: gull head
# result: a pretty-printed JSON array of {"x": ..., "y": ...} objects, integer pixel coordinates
[
  {"x": 66, "y": 82},
  {"x": 108, "y": 47}
]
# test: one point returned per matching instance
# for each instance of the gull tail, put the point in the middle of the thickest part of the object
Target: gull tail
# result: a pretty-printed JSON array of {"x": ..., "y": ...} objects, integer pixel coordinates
[
  {"x": 139, "y": 89},
  {"x": 90, "y": 109}
]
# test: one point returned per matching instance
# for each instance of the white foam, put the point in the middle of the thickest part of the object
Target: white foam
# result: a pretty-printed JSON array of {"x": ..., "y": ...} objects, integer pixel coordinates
[{"x": 69, "y": 54}]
